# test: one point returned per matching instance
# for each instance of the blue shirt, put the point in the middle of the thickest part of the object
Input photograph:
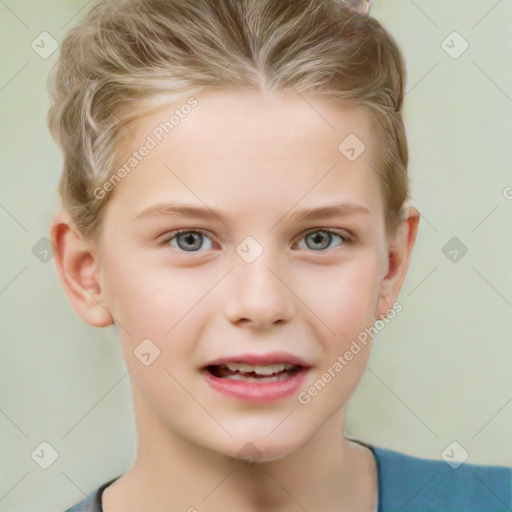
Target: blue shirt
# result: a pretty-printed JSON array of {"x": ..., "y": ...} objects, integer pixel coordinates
[{"x": 412, "y": 484}]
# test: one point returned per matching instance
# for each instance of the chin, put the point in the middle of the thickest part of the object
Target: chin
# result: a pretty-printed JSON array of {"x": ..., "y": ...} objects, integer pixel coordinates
[{"x": 258, "y": 449}]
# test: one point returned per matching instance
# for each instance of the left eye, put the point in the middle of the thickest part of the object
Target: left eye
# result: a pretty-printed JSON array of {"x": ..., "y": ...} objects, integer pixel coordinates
[{"x": 321, "y": 239}]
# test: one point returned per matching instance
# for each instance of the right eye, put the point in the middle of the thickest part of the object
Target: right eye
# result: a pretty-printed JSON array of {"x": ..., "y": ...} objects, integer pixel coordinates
[{"x": 187, "y": 240}]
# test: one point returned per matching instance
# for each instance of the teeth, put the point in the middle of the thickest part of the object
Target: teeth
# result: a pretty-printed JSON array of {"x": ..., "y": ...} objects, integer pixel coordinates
[
  {"x": 266, "y": 370},
  {"x": 240, "y": 367}
]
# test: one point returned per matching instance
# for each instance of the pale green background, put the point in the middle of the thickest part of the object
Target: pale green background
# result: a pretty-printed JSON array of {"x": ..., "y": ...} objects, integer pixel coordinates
[{"x": 441, "y": 371}]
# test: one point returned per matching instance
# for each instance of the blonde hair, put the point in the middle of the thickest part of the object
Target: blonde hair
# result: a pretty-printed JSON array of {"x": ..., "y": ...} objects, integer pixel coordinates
[{"x": 129, "y": 56}]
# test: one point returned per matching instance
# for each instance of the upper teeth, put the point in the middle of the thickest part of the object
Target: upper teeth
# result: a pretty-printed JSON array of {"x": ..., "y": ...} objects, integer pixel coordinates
[{"x": 268, "y": 369}]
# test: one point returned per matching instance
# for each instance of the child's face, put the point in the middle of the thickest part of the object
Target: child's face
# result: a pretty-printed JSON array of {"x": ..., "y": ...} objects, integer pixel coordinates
[{"x": 258, "y": 162}]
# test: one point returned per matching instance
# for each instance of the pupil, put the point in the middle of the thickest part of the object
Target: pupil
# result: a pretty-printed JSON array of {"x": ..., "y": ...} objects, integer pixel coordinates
[
  {"x": 191, "y": 239},
  {"x": 320, "y": 237}
]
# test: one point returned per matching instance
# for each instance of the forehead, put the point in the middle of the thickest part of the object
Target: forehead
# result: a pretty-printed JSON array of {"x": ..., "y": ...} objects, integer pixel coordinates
[
  {"x": 246, "y": 148},
  {"x": 252, "y": 118}
]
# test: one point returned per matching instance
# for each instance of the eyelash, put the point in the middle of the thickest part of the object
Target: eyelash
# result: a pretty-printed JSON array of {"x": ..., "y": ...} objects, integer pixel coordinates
[{"x": 346, "y": 237}]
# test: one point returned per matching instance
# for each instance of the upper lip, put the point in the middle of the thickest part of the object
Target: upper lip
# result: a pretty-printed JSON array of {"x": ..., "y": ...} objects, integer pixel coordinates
[{"x": 260, "y": 359}]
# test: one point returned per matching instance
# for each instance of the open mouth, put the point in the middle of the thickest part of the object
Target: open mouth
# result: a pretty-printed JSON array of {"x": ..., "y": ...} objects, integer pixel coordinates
[
  {"x": 256, "y": 378},
  {"x": 255, "y": 373}
]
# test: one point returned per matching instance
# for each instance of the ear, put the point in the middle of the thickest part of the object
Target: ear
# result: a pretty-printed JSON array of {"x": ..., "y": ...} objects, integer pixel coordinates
[
  {"x": 399, "y": 252},
  {"x": 77, "y": 266}
]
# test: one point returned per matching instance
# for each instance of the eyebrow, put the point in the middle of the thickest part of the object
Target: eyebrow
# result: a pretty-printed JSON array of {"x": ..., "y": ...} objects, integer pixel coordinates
[{"x": 182, "y": 210}]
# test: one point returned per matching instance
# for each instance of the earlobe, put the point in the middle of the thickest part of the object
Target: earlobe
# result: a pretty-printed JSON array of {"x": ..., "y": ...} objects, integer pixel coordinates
[
  {"x": 78, "y": 271},
  {"x": 399, "y": 255}
]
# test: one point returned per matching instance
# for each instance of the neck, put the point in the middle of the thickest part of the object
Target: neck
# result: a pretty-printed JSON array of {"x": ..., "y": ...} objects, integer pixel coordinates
[{"x": 326, "y": 473}]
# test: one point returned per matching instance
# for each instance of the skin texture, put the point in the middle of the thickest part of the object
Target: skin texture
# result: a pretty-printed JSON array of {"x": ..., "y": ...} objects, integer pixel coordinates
[{"x": 258, "y": 159}]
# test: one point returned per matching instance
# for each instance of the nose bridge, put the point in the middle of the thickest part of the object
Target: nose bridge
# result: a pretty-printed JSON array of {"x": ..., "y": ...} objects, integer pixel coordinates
[
  {"x": 257, "y": 294},
  {"x": 259, "y": 276}
]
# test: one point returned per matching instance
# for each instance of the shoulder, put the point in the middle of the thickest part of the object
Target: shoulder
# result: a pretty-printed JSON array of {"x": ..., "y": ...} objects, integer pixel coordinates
[
  {"x": 91, "y": 503},
  {"x": 413, "y": 484}
]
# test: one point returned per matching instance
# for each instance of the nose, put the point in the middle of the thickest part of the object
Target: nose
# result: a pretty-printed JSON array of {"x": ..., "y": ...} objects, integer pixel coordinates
[{"x": 257, "y": 296}]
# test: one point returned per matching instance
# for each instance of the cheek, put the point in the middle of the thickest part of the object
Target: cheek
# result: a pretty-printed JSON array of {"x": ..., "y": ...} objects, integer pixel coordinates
[
  {"x": 148, "y": 299},
  {"x": 343, "y": 297},
  {"x": 163, "y": 305},
  {"x": 347, "y": 307}
]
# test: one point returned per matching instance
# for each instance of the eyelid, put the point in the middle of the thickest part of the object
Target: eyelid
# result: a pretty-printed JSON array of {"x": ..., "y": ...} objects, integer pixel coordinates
[
  {"x": 347, "y": 241},
  {"x": 169, "y": 235},
  {"x": 343, "y": 233}
]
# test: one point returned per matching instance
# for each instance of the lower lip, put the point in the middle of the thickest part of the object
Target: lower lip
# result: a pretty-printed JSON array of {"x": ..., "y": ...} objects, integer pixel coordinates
[{"x": 254, "y": 392}]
